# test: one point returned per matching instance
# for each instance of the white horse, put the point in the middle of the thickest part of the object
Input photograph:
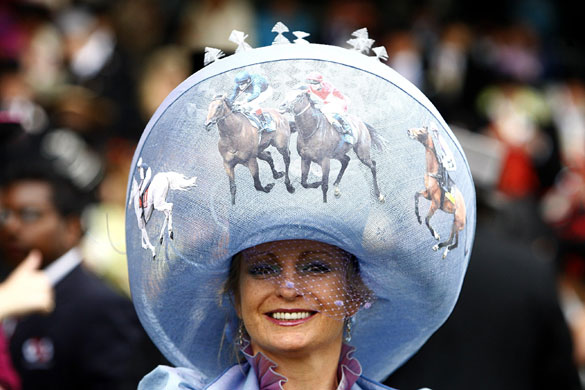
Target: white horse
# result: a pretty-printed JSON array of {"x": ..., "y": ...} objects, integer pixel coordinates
[{"x": 154, "y": 198}]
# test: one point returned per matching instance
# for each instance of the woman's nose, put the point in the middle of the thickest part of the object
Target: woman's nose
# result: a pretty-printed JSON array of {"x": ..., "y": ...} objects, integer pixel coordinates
[{"x": 288, "y": 289}]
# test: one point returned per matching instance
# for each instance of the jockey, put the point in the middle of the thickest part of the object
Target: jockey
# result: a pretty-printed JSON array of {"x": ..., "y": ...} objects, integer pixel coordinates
[
  {"x": 333, "y": 104},
  {"x": 145, "y": 178},
  {"x": 257, "y": 90},
  {"x": 446, "y": 163}
]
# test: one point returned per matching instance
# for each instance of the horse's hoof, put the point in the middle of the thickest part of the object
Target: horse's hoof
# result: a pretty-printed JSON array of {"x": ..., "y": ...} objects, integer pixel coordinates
[
  {"x": 337, "y": 193},
  {"x": 278, "y": 175},
  {"x": 382, "y": 199},
  {"x": 171, "y": 235},
  {"x": 445, "y": 253},
  {"x": 268, "y": 187},
  {"x": 437, "y": 237},
  {"x": 436, "y": 247},
  {"x": 161, "y": 240},
  {"x": 290, "y": 189},
  {"x": 419, "y": 220}
]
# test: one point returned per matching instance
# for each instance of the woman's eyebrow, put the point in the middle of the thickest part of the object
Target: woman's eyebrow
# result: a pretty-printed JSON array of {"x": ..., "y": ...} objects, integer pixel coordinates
[
  {"x": 305, "y": 254},
  {"x": 263, "y": 254}
]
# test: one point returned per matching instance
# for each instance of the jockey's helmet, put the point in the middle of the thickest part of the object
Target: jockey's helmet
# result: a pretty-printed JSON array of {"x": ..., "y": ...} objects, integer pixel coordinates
[
  {"x": 314, "y": 78},
  {"x": 243, "y": 79}
]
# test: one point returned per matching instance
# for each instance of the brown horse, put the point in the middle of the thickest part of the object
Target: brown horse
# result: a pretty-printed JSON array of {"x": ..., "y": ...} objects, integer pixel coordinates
[
  {"x": 452, "y": 203},
  {"x": 239, "y": 143},
  {"x": 319, "y": 142}
]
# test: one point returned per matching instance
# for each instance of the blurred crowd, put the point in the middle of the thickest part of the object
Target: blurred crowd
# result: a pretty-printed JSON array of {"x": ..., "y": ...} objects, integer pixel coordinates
[{"x": 80, "y": 79}]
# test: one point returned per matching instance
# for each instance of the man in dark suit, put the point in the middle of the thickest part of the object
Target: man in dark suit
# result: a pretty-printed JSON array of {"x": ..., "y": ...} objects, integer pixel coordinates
[
  {"x": 92, "y": 339},
  {"x": 507, "y": 330}
]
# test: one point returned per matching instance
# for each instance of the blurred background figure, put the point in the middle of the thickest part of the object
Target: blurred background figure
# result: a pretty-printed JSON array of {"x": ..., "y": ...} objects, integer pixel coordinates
[
  {"x": 563, "y": 206},
  {"x": 210, "y": 23},
  {"x": 92, "y": 339},
  {"x": 95, "y": 61},
  {"x": 26, "y": 290},
  {"x": 406, "y": 56}
]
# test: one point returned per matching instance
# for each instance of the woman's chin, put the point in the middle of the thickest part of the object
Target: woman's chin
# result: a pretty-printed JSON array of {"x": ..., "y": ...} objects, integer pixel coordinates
[
  {"x": 283, "y": 345},
  {"x": 293, "y": 344}
]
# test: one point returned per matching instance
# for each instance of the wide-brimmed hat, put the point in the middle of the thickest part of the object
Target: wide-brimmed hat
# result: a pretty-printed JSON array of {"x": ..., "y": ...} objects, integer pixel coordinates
[{"x": 404, "y": 206}]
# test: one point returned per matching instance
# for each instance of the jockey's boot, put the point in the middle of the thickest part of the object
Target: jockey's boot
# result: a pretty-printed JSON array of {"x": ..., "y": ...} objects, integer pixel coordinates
[
  {"x": 345, "y": 130},
  {"x": 266, "y": 121},
  {"x": 257, "y": 121}
]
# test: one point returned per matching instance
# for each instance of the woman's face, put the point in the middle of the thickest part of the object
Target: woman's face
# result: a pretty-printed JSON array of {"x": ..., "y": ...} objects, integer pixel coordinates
[{"x": 292, "y": 296}]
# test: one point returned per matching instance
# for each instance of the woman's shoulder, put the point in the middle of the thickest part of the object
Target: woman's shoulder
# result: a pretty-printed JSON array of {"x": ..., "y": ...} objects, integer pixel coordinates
[
  {"x": 167, "y": 378},
  {"x": 181, "y": 378}
]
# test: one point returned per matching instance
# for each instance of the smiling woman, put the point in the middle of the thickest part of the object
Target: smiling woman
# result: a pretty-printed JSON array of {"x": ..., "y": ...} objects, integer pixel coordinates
[
  {"x": 293, "y": 297},
  {"x": 315, "y": 292}
]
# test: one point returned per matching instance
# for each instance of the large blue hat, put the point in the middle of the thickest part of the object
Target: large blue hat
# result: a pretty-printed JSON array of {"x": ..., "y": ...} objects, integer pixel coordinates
[{"x": 404, "y": 206}]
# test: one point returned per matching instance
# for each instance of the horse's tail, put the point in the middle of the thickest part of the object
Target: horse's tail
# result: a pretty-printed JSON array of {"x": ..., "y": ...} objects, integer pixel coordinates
[
  {"x": 377, "y": 141},
  {"x": 178, "y": 181}
]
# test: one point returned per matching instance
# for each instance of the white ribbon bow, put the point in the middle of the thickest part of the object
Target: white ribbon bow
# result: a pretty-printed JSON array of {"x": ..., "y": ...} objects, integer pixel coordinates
[
  {"x": 300, "y": 35},
  {"x": 361, "y": 42},
  {"x": 211, "y": 55},
  {"x": 239, "y": 38},
  {"x": 279, "y": 28},
  {"x": 381, "y": 53}
]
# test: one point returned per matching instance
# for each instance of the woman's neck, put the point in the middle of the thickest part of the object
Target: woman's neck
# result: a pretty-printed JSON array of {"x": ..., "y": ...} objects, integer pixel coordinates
[{"x": 309, "y": 370}]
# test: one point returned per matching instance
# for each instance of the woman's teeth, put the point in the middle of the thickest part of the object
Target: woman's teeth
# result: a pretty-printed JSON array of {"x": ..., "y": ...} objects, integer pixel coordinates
[{"x": 290, "y": 316}]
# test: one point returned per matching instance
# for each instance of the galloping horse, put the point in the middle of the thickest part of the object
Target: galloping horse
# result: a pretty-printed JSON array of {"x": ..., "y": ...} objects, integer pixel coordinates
[
  {"x": 239, "y": 143},
  {"x": 319, "y": 142},
  {"x": 452, "y": 203},
  {"x": 155, "y": 199}
]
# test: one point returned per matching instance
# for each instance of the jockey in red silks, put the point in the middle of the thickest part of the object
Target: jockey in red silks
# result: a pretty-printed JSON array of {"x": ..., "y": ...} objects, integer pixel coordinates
[{"x": 332, "y": 103}]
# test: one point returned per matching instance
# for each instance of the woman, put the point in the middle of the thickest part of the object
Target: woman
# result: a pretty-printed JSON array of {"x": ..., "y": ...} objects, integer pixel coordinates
[{"x": 268, "y": 289}]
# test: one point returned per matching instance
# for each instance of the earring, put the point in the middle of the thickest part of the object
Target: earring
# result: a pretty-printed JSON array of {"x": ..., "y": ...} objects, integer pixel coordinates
[
  {"x": 241, "y": 330},
  {"x": 348, "y": 322}
]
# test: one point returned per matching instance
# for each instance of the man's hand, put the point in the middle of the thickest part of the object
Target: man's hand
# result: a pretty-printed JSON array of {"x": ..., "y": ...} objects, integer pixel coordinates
[{"x": 27, "y": 289}]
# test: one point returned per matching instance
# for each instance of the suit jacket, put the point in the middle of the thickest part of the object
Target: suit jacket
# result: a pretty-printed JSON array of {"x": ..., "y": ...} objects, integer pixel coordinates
[{"x": 92, "y": 340}]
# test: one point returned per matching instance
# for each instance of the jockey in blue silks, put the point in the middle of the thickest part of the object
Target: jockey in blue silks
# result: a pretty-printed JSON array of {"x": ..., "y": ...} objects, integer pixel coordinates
[{"x": 258, "y": 90}]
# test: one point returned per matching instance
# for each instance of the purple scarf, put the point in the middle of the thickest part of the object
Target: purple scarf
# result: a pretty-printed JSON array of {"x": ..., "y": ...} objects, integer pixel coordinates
[{"x": 348, "y": 370}]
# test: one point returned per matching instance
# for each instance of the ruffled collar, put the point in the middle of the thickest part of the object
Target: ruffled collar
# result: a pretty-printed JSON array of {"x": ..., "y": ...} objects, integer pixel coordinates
[
  {"x": 268, "y": 378},
  {"x": 348, "y": 370}
]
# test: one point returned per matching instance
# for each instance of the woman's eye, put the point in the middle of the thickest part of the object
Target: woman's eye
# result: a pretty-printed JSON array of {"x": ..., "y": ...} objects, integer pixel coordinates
[
  {"x": 263, "y": 270},
  {"x": 316, "y": 268}
]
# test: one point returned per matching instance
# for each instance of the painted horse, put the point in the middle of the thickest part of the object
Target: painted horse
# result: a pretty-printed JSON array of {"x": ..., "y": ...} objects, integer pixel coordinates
[
  {"x": 155, "y": 198},
  {"x": 450, "y": 202},
  {"x": 239, "y": 143},
  {"x": 319, "y": 142}
]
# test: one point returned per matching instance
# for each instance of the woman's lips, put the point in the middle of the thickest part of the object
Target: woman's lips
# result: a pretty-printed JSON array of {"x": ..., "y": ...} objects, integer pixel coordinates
[{"x": 288, "y": 317}]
